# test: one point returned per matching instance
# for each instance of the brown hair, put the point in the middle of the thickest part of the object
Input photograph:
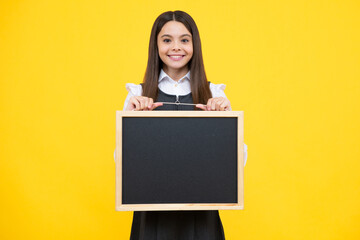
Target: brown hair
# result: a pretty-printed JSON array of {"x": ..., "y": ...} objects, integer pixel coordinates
[{"x": 199, "y": 86}]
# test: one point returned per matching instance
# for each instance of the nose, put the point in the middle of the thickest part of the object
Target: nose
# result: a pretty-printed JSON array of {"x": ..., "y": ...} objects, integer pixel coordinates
[{"x": 176, "y": 46}]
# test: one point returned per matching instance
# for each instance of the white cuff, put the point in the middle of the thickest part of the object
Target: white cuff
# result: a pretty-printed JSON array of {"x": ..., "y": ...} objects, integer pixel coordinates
[
  {"x": 134, "y": 89},
  {"x": 217, "y": 90}
]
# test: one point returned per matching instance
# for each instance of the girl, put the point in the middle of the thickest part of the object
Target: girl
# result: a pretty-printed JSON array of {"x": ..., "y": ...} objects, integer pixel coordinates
[{"x": 175, "y": 73}]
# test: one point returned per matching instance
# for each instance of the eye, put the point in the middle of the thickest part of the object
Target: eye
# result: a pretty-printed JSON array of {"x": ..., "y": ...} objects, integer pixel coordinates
[
  {"x": 166, "y": 40},
  {"x": 185, "y": 40}
]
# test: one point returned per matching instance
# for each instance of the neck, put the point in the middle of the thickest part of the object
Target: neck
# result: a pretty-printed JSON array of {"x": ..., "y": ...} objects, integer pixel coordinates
[{"x": 176, "y": 74}]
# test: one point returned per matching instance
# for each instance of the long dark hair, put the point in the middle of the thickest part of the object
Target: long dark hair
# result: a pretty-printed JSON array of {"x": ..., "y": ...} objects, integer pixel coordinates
[{"x": 199, "y": 86}]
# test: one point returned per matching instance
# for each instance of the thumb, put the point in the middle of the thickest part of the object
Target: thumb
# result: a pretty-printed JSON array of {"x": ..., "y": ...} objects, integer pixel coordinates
[
  {"x": 155, "y": 105},
  {"x": 201, "y": 106}
]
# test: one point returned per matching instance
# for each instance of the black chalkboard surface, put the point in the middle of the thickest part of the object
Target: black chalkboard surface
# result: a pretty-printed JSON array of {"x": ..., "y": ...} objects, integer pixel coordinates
[{"x": 172, "y": 160}]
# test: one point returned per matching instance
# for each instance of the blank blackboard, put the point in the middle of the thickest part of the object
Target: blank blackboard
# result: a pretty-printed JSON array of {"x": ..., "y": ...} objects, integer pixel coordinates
[{"x": 179, "y": 160}]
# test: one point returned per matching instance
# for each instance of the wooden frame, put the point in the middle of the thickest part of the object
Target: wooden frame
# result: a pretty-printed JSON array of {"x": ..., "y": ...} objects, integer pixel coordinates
[{"x": 183, "y": 206}]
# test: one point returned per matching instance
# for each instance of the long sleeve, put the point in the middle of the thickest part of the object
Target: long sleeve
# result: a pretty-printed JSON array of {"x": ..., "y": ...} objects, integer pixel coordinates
[{"x": 134, "y": 90}]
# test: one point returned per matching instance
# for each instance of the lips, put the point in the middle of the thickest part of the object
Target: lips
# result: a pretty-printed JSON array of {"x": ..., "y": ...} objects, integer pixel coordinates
[{"x": 176, "y": 57}]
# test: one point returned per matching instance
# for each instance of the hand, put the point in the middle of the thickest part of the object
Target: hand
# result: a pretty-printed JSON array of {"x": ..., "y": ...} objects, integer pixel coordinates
[
  {"x": 215, "y": 104},
  {"x": 141, "y": 103}
]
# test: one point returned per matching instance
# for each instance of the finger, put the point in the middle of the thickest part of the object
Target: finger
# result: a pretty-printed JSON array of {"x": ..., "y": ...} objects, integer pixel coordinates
[
  {"x": 155, "y": 105},
  {"x": 208, "y": 105},
  {"x": 135, "y": 103},
  {"x": 201, "y": 106},
  {"x": 226, "y": 105},
  {"x": 142, "y": 103},
  {"x": 151, "y": 101},
  {"x": 213, "y": 104},
  {"x": 222, "y": 106},
  {"x": 146, "y": 103},
  {"x": 219, "y": 103}
]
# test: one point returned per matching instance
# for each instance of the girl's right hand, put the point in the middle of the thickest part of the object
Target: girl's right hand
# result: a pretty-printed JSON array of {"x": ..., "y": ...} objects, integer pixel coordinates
[{"x": 141, "y": 103}]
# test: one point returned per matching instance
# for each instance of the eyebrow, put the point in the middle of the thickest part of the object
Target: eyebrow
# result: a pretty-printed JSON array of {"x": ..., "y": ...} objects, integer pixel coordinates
[{"x": 167, "y": 35}]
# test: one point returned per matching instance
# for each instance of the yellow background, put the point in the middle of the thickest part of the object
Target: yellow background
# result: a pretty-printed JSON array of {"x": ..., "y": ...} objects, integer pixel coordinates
[{"x": 291, "y": 66}]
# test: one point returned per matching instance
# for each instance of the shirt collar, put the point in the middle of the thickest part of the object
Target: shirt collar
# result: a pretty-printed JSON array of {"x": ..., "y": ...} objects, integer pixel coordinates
[{"x": 163, "y": 76}]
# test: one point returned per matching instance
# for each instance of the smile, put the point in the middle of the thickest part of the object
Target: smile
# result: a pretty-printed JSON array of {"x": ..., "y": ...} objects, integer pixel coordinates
[{"x": 176, "y": 57}]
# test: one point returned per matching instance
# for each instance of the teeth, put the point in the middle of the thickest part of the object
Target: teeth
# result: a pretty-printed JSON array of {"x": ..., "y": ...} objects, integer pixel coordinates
[{"x": 176, "y": 57}]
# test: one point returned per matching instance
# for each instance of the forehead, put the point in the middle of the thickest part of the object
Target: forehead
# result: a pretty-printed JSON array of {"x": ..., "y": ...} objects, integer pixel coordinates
[{"x": 174, "y": 29}]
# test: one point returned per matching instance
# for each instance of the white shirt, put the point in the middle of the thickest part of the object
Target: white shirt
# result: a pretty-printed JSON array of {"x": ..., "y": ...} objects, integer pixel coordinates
[
  {"x": 178, "y": 88},
  {"x": 172, "y": 87}
]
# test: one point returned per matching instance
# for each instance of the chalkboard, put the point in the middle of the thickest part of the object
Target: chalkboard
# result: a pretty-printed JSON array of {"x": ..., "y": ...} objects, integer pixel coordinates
[{"x": 172, "y": 160}]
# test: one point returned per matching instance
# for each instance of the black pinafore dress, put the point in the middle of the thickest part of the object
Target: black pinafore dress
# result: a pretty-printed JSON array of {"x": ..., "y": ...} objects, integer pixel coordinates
[{"x": 176, "y": 225}]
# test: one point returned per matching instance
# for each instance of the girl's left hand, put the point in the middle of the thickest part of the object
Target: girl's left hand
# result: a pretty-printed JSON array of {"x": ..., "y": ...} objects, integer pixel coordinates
[{"x": 215, "y": 104}]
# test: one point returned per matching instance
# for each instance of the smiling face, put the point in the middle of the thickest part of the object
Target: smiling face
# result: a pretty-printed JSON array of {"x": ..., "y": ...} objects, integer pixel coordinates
[{"x": 175, "y": 48}]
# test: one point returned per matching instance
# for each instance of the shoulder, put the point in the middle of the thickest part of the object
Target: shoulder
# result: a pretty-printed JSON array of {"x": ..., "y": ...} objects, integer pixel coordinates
[
  {"x": 217, "y": 90},
  {"x": 134, "y": 89}
]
